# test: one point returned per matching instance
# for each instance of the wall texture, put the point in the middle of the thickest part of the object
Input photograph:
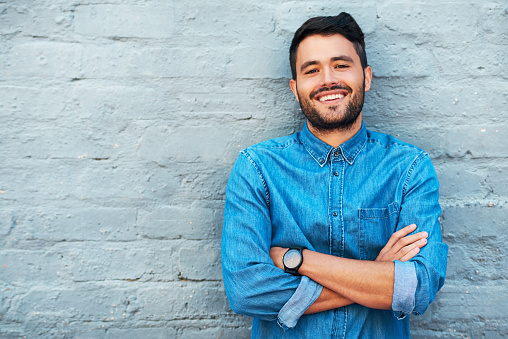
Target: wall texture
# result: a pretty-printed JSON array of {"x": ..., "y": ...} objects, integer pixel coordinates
[{"x": 120, "y": 121}]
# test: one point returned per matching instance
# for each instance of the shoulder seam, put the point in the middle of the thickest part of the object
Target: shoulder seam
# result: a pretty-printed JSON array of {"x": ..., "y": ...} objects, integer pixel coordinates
[
  {"x": 415, "y": 163},
  {"x": 375, "y": 141},
  {"x": 261, "y": 177}
]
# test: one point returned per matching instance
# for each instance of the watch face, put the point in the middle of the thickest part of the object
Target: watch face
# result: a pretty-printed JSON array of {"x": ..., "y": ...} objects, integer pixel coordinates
[{"x": 292, "y": 258}]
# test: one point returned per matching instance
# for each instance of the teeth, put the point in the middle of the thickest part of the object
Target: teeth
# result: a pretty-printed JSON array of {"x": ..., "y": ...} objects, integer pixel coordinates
[{"x": 331, "y": 97}]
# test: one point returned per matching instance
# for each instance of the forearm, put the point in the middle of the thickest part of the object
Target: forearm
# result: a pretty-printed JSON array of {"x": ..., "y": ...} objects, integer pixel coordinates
[
  {"x": 369, "y": 283},
  {"x": 328, "y": 300}
]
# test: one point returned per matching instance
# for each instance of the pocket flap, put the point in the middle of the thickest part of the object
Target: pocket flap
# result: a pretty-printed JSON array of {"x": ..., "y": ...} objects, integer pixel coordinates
[{"x": 378, "y": 213}]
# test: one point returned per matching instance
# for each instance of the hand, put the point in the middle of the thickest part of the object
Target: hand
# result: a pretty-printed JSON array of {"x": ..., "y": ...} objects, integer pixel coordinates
[
  {"x": 276, "y": 253},
  {"x": 402, "y": 246}
]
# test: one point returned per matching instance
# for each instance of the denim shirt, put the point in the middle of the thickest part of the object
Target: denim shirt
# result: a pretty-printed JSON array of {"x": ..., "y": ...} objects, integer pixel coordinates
[{"x": 347, "y": 201}]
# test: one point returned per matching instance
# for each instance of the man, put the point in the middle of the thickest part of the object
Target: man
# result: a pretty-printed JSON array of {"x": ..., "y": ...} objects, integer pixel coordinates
[{"x": 316, "y": 242}]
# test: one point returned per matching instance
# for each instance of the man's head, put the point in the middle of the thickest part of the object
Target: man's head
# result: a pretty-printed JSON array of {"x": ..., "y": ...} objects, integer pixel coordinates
[
  {"x": 330, "y": 72},
  {"x": 342, "y": 24}
]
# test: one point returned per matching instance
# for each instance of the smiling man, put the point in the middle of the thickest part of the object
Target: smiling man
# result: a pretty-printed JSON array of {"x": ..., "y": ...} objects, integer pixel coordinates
[{"x": 332, "y": 232}]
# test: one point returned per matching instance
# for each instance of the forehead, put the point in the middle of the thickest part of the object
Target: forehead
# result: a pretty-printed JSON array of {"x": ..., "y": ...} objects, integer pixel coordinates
[{"x": 324, "y": 47}]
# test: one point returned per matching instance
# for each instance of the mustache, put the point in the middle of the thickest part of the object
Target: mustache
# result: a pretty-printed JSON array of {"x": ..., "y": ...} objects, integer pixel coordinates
[{"x": 332, "y": 88}]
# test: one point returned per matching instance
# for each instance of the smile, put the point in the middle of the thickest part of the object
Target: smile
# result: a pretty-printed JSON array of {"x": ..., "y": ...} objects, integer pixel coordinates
[{"x": 331, "y": 97}]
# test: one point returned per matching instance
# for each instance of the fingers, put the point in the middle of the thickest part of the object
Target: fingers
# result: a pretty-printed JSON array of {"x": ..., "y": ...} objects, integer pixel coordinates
[
  {"x": 409, "y": 251},
  {"x": 410, "y": 240},
  {"x": 400, "y": 234},
  {"x": 412, "y": 249},
  {"x": 402, "y": 246}
]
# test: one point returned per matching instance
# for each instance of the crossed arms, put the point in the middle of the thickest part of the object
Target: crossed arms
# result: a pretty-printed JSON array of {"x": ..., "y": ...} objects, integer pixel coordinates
[{"x": 347, "y": 281}]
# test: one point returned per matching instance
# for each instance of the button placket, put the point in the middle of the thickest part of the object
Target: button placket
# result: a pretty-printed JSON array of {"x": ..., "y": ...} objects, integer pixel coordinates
[{"x": 335, "y": 212}]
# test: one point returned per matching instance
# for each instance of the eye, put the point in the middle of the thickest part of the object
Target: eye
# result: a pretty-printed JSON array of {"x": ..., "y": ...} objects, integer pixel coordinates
[
  {"x": 311, "y": 71},
  {"x": 341, "y": 66}
]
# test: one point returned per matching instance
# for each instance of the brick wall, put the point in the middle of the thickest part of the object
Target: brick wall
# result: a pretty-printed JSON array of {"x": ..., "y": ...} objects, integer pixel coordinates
[{"x": 120, "y": 121}]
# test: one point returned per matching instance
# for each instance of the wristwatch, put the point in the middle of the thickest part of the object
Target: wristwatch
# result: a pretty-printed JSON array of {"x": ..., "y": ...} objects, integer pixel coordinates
[{"x": 293, "y": 259}]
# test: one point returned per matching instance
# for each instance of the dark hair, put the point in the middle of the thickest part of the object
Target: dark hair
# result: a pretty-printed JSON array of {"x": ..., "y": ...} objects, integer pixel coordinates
[{"x": 342, "y": 24}]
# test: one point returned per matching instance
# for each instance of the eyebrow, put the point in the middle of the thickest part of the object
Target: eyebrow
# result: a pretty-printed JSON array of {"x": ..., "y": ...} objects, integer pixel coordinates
[{"x": 337, "y": 58}]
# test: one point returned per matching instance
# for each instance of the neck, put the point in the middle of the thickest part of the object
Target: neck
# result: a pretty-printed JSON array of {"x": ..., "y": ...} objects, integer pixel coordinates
[{"x": 336, "y": 137}]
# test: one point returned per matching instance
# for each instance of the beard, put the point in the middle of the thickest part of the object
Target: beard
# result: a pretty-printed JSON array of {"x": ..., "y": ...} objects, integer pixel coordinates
[{"x": 333, "y": 119}]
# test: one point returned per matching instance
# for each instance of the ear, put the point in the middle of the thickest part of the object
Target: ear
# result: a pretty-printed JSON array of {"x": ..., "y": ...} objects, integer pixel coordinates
[
  {"x": 368, "y": 77},
  {"x": 292, "y": 84}
]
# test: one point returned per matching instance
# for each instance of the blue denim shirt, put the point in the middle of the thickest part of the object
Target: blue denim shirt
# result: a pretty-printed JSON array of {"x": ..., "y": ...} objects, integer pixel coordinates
[{"x": 347, "y": 201}]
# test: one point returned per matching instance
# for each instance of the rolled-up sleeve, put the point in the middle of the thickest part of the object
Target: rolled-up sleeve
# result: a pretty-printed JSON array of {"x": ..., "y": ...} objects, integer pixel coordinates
[
  {"x": 306, "y": 294},
  {"x": 404, "y": 289},
  {"x": 417, "y": 281},
  {"x": 254, "y": 285}
]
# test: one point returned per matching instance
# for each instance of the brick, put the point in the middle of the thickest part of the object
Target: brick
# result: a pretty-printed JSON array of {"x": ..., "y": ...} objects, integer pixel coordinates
[
  {"x": 403, "y": 59},
  {"x": 470, "y": 302},
  {"x": 121, "y": 60},
  {"x": 102, "y": 181},
  {"x": 8, "y": 292},
  {"x": 419, "y": 18},
  {"x": 42, "y": 60},
  {"x": 129, "y": 20},
  {"x": 120, "y": 104},
  {"x": 192, "y": 144},
  {"x": 215, "y": 332},
  {"x": 484, "y": 60},
  {"x": 459, "y": 182},
  {"x": 236, "y": 100},
  {"x": 180, "y": 301},
  {"x": 136, "y": 333},
  {"x": 174, "y": 222},
  {"x": 485, "y": 140},
  {"x": 77, "y": 224},
  {"x": 205, "y": 184},
  {"x": 73, "y": 140},
  {"x": 7, "y": 222},
  {"x": 495, "y": 179},
  {"x": 203, "y": 19},
  {"x": 480, "y": 179},
  {"x": 29, "y": 103},
  {"x": 116, "y": 262},
  {"x": 200, "y": 262},
  {"x": 478, "y": 141},
  {"x": 461, "y": 101},
  {"x": 474, "y": 221},
  {"x": 263, "y": 63},
  {"x": 102, "y": 304},
  {"x": 493, "y": 22},
  {"x": 11, "y": 332},
  {"x": 32, "y": 267},
  {"x": 34, "y": 19},
  {"x": 289, "y": 15}
]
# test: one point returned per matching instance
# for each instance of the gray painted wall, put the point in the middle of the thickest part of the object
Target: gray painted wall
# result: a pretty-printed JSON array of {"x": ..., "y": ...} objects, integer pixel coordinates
[{"x": 120, "y": 121}]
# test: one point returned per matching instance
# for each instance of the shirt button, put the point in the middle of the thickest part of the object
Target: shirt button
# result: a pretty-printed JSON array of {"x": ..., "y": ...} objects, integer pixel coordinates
[
  {"x": 335, "y": 214},
  {"x": 337, "y": 153},
  {"x": 336, "y": 174},
  {"x": 321, "y": 161}
]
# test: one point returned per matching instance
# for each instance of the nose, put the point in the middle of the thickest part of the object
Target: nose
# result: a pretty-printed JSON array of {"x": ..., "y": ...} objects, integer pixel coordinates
[{"x": 329, "y": 77}]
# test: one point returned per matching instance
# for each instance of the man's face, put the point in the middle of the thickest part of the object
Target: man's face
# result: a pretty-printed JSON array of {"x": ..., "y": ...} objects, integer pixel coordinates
[{"x": 330, "y": 82}]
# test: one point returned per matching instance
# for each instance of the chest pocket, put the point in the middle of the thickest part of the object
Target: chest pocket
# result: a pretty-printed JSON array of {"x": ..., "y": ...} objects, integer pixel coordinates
[{"x": 376, "y": 226}]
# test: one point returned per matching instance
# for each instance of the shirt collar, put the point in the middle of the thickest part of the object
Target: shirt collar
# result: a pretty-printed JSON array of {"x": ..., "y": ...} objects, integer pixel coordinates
[{"x": 320, "y": 151}]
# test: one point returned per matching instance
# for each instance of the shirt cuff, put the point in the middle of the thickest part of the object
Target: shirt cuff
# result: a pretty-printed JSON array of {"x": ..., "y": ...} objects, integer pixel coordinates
[
  {"x": 404, "y": 289},
  {"x": 305, "y": 295}
]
